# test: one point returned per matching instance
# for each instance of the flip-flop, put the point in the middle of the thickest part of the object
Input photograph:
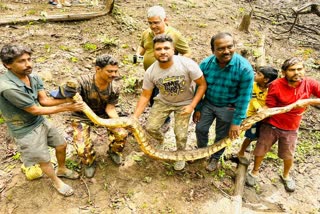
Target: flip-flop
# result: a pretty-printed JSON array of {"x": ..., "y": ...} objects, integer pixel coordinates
[
  {"x": 244, "y": 160},
  {"x": 288, "y": 183},
  {"x": 64, "y": 190},
  {"x": 251, "y": 180},
  {"x": 70, "y": 174}
]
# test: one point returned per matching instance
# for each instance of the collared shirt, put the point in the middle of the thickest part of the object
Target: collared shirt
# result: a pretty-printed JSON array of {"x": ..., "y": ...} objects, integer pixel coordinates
[
  {"x": 179, "y": 42},
  {"x": 231, "y": 85},
  {"x": 15, "y": 96},
  {"x": 281, "y": 94}
]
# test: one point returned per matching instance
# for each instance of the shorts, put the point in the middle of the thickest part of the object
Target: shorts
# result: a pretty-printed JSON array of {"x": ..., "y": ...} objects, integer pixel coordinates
[
  {"x": 269, "y": 135},
  {"x": 253, "y": 132},
  {"x": 34, "y": 146}
]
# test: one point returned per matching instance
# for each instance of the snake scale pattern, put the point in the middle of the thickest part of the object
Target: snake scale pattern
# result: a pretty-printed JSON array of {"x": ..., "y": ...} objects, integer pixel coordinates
[{"x": 144, "y": 139}]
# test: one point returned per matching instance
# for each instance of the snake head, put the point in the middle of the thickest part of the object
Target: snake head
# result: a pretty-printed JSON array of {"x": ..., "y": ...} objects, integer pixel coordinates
[
  {"x": 77, "y": 97},
  {"x": 72, "y": 84}
]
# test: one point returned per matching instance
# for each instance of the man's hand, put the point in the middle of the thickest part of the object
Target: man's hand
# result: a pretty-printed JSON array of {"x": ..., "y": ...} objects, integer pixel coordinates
[
  {"x": 234, "y": 131},
  {"x": 187, "y": 109},
  {"x": 196, "y": 116},
  {"x": 76, "y": 106}
]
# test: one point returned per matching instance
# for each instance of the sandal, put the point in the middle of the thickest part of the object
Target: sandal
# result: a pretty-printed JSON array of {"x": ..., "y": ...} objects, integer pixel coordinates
[
  {"x": 289, "y": 184},
  {"x": 52, "y": 2},
  {"x": 64, "y": 190},
  {"x": 70, "y": 174},
  {"x": 251, "y": 180}
]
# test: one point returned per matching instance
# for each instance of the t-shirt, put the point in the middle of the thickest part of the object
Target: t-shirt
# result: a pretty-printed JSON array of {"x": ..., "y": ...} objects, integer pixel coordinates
[
  {"x": 15, "y": 96},
  {"x": 174, "y": 83},
  {"x": 281, "y": 94},
  {"x": 97, "y": 100},
  {"x": 258, "y": 99},
  {"x": 180, "y": 44}
]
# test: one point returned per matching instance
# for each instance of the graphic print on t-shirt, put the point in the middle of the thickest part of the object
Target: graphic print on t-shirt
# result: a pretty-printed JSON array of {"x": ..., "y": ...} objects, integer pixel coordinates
[{"x": 172, "y": 85}]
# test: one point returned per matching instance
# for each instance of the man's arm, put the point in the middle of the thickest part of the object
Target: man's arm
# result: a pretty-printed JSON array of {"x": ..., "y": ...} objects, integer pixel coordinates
[
  {"x": 52, "y": 106},
  {"x": 244, "y": 96},
  {"x": 141, "y": 51},
  {"x": 142, "y": 103},
  {"x": 44, "y": 100},
  {"x": 201, "y": 89},
  {"x": 111, "y": 111},
  {"x": 40, "y": 110},
  {"x": 182, "y": 46}
]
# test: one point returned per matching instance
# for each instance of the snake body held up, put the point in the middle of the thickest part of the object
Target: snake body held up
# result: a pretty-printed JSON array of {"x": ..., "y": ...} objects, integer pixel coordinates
[{"x": 144, "y": 139}]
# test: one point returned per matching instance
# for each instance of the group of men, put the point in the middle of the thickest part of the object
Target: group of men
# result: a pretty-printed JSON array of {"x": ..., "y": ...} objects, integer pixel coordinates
[{"x": 223, "y": 90}]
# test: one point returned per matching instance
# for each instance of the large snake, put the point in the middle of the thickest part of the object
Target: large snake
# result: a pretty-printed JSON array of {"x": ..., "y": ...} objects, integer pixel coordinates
[{"x": 144, "y": 139}]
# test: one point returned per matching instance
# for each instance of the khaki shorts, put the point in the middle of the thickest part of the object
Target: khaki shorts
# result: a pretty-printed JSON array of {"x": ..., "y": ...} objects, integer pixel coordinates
[
  {"x": 269, "y": 135},
  {"x": 34, "y": 146}
]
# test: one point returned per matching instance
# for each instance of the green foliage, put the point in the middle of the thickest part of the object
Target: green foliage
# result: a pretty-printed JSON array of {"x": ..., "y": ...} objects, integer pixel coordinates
[
  {"x": 173, "y": 6},
  {"x": 137, "y": 158},
  {"x": 242, "y": 10},
  {"x": 191, "y": 4},
  {"x": 109, "y": 42},
  {"x": 124, "y": 46},
  {"x": 3, "y": 7},
  {"x": 221, "y": 173},
  {"x": 271, "y": 155},
  {"x": 1, "y": 118},
  {"x": 31, "y": 12},
  {"x": 16, "y": 156},
  {"x": 90, "y": 46},
  {"x": 125, "y": 22},
  {"x": 129, "y": 84},
  {"x": 147, "y": 179},
  {"x": 41, "y": 59},
  {"x": 71, "y": 164},
  {"x": 308, "y": 145},
  {"x": 74, "y": 59},
  {"x": 64, "y": 48},
  {"x": 130, "y": 193},
  {"x": 202, "y": 25},
  {"x": 47, "y": 47},
  {"x": 144, "y": 205},
  {"x": 256, "y": 53}
]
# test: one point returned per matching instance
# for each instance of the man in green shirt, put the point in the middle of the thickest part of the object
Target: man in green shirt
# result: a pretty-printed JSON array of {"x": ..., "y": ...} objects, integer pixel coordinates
[
  {"x": 23, "y": 102},
  {"x": 158, "y": 25}
]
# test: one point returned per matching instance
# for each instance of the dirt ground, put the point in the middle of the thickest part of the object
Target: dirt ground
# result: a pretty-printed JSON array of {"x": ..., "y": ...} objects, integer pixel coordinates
[{"x": 65, "y": 50}]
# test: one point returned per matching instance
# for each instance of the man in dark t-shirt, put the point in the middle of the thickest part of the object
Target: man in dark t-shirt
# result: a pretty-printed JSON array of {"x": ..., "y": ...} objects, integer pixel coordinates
[{"x": 101, "y": 93}]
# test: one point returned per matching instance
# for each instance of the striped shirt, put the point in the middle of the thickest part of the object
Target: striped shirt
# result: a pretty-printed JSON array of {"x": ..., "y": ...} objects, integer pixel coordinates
[{"x": 231, "y": 85}]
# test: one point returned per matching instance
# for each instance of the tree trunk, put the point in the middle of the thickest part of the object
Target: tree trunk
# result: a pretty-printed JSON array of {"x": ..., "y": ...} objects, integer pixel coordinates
[
  {"x": 245, "y": 23},
  {"x": 59, "y": 17}
]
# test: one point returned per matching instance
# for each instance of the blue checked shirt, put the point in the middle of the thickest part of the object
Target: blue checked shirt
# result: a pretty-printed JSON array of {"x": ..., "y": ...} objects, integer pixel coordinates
[{"x": 231, "y": 85}]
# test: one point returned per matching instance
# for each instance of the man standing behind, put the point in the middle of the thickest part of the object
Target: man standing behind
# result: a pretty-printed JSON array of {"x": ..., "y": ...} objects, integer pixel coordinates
[
  {"x": 230, "y": 78},
  {"x": 158, "y": 25},
  {"x": 157, "y": 22},
  {"x": 23, "y": 101},
  {"x": 173, "y": 76},
  {"x": 284, "y": 127}
]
